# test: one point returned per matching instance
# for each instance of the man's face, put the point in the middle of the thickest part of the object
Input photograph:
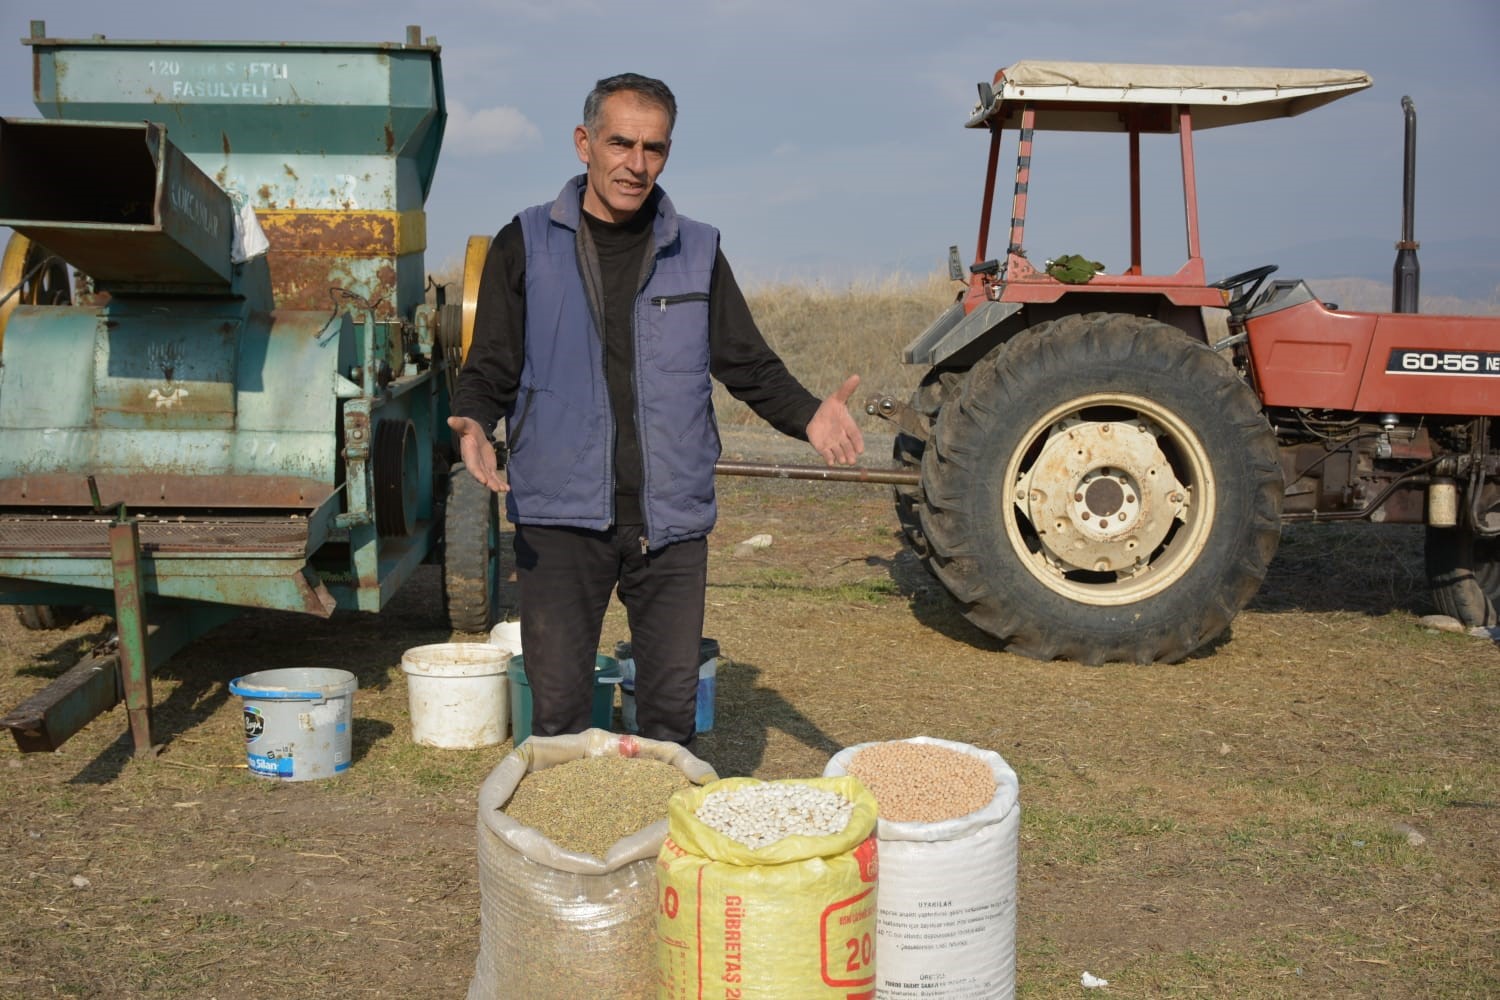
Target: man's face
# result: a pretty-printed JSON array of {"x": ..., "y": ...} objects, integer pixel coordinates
[{"x": 624, "y": 155}]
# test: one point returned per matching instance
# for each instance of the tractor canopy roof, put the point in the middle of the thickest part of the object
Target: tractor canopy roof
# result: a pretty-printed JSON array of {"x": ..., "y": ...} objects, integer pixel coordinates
[{"x": 1125, "y": 97}]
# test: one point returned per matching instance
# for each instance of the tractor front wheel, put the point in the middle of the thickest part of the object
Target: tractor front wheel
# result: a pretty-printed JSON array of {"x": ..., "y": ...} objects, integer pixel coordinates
[
  {"x": 1104, "y": 488},
  {"x": 1463, "y": 570}
]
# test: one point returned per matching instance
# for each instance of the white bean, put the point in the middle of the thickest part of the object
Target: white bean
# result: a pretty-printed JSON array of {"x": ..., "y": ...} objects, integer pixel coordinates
[{"x": 760, "y": 815}]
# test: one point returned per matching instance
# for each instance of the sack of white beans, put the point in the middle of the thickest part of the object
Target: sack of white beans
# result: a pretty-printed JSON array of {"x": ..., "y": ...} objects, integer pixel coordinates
[
  {"x": 767, "y": 891},
  {"x": 949, "y": 829},
  {"x": 556, "y": 923}
]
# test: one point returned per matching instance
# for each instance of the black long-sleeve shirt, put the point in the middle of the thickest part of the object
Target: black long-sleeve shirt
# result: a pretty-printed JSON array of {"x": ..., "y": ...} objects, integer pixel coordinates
[{"x": 739, "y": 356}]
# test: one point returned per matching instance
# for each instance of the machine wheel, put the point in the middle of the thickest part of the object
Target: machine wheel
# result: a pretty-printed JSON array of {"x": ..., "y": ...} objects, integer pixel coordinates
[
  {"x": 1105, "y": 488},
  {"x": 475, "y": 252},
  {"x": 397, "y": 471},
  {"x": 47, "y": 617},
  {"x": 1463, "y": 570},
  {"x": 36, "y": 277},
  {"x": 471, "y": 553}
]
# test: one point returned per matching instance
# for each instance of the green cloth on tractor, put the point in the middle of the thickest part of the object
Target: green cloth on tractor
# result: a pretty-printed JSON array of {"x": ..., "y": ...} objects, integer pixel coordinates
[{"x": 1072, "y": 269}]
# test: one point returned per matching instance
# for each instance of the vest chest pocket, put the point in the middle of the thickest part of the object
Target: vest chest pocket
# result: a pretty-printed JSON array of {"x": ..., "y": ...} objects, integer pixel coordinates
[{"x": 674, "y": 332}]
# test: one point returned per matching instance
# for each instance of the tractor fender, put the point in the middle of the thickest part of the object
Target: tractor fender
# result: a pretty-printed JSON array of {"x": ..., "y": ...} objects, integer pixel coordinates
[{"x": 953, "y": 331}]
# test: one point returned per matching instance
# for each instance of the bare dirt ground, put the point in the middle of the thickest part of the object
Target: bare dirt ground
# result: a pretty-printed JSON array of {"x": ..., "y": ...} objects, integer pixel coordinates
[{"x": 1309, "y": 808}]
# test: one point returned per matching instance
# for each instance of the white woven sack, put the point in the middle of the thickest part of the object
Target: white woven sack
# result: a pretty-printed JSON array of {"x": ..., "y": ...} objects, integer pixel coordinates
[
  {"x": 559, "y": 924},
  {"x": 946, "y": 928}
]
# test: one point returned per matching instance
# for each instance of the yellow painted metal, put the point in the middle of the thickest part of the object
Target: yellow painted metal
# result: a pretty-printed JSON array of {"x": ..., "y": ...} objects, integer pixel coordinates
[
  {"x": 20, "y": 286},
  {"x": 344, "y": 233},
  {"x": 474, "y": 254}
]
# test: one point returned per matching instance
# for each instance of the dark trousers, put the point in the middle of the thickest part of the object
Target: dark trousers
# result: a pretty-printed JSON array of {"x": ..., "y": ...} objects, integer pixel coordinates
[{"x": 566, "y": 576}]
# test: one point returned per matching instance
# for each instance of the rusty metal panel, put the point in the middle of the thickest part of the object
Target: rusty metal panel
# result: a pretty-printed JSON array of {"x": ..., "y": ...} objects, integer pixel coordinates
[
  {"x": 87, "y": 536},
  {"x": 164, "y": 488},
  {"x": 241, "y": 581},
  {"x": 314, "y": 254},
  {"x": 295, "y": 125},
  {"x": 317, "y": 281},
  {"x": 165, "y": 370},
  {"x": 171, "y": 406},
  {"x": 327, "y": 128},
  {"x": 346, "y": 234}
]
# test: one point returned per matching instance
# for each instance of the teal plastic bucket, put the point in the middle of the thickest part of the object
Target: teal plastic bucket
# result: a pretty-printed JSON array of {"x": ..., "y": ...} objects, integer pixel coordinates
[
  {"x": 297, "y": 721},
  {"x": 606, "y": 678}
]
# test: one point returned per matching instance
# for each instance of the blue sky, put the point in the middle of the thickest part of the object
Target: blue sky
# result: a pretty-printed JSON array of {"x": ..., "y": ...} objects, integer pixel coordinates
[{"x": 825, "y": 139}]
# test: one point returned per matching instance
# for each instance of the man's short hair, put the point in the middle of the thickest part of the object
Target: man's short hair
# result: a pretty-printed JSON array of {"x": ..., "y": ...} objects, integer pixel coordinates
[{"x": 650, "y": 90}]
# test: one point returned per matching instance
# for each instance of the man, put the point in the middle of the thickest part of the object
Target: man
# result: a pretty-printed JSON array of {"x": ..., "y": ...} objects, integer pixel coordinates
[{"x": 599, "y": 319}]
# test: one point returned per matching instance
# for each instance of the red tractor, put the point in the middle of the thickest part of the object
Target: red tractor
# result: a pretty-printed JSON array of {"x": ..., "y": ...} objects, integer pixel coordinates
[{"x": 1106, "y": 459}]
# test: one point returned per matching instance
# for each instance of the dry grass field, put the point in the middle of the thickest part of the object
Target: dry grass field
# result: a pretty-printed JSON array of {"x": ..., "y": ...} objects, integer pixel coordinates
[{"x": 1308, "y": 808}]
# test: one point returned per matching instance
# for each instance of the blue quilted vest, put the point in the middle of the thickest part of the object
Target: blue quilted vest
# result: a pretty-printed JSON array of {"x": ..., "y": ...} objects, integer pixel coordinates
[{"x": 560, "y": 429}]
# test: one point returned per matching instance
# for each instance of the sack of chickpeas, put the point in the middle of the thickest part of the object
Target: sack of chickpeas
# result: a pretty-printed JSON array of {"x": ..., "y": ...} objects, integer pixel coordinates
[
  {"x": 768, "y": 892},
  {"x": 569, "y": 830},
  {"x": 949, "y": 828}
]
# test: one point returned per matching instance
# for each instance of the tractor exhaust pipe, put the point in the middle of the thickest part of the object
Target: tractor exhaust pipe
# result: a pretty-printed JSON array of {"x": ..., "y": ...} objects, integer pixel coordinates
[{"x": 1408, "y": 273}]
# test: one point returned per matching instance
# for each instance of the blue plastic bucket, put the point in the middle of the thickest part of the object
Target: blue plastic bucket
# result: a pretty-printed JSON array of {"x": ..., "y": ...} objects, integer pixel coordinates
[
  {"x": 708, "y": 684},
  {"x": 297, "y": 721}
]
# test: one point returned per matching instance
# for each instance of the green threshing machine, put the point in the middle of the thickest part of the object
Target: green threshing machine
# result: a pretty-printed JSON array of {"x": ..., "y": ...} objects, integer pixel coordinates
[{"x": 239, "y": 400}]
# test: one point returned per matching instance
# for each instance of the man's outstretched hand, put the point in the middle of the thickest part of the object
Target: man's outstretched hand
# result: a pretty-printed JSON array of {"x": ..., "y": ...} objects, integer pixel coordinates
[
  {"x": 832, "y": 431},
  {"x": 477, "y": 452}
]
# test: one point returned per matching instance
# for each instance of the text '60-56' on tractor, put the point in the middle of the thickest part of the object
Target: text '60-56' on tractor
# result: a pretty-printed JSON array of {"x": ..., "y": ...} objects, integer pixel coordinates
[{"x": 1105, "y": 459}]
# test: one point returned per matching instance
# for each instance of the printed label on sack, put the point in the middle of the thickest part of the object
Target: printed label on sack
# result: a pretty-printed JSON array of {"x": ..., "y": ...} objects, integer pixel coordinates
[
  {"x": 798, "y": 930},
  {"x": 867, "y": 855},
  {"x": 848, "y": 940},
  {"x": 734, "y": 955}
]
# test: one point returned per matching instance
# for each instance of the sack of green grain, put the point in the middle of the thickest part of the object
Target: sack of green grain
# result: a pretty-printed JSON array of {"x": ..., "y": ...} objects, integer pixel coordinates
[
  {"x": 768, "y": 891},
  {"x": 949, "y": 828},
  {"x": 569, "y": 830}
]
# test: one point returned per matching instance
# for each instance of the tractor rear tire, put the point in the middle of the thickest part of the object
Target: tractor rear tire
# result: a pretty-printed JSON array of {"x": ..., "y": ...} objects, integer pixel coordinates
[
  {"x": 1463, "y": 571},
  {"x": 1104, "y": 488},
  {"x": 907, "y": 450},
  {"x": 471, "y": 553}
]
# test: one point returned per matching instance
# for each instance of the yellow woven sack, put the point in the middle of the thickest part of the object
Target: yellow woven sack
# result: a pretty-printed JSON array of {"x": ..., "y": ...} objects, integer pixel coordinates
[{"x": 794, "y": 920}]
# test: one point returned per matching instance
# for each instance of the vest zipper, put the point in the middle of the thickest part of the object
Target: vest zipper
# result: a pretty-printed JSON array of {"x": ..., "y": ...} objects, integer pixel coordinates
[{"x": 662, "y": 301}]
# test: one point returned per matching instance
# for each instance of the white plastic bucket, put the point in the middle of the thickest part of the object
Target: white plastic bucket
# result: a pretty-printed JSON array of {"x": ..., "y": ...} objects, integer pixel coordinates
[
  {"x": 297, "y": 721},
  {"x": 457, "y": 694},
  {"x": 507, "y": 634}
]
